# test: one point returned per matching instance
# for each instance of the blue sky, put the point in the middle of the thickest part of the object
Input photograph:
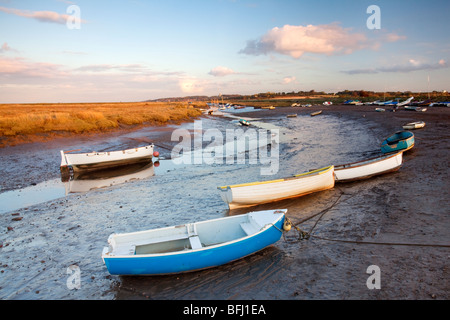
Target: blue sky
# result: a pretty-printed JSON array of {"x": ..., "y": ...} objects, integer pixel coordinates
[{"x": 138, "y": 50}]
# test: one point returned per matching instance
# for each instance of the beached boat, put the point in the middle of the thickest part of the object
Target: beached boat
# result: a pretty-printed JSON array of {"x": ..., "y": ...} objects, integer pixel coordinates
[
  {"x": 400, "y": 141},
  {"x": 404, "y": 103},
  {"x": 192, "y": 246},
  {"x": 244, "y": 122},
  {"x": 250, "y": 194},
  {"x": 368, "y": 168},
  {"x": 379, "y": 109},
  {"x": 414, "y": 125},
  {"x": 102, "y": 160},
  {"x": 316, "y": 113},
  {"x": 384, "y": 103},
  {"x": 292, "y": 115}
]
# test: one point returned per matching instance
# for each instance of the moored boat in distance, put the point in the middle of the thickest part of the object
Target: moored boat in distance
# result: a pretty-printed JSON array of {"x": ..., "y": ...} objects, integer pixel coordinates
[
  {"x": 404, "y": 103},
  {"x": 254, "y": 193},
  {"x": 192, "y": 246},
  {"x": 102, "y": 160},
  {"x": 316, "y": 113},
  {"x": 399, "y": 141},
  {"x": 414, "y": 125},
  {"x": 368, "y": 168}
]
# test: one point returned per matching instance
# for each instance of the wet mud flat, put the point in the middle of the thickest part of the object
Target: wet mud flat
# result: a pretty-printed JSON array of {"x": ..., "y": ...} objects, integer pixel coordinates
[{"x": 398, "y": 222}]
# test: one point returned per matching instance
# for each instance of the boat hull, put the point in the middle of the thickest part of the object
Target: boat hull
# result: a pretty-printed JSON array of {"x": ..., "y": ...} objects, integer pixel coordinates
[
  {"x": 255, "y": 193},
  {"x": 198, "y": 259},
  {"x": 103, "y": 160},
  {"x": 414, "y": 125},
  {"x": 368, "y": 168},
  {"x": 400, "y": 141}
]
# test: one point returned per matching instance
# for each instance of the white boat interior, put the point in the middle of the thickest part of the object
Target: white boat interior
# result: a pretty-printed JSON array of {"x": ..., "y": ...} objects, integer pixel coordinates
[{"x": 190, "y": 236}]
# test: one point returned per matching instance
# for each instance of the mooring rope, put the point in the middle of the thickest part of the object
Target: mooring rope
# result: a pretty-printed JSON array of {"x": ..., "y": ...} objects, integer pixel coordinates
[{"x": 307, "y": 235}]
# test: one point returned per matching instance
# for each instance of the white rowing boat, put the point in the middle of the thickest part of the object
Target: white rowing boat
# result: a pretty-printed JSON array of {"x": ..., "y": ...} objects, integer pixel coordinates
[
  {"x": 368, "y": 168},
  {"x": 250, "y": 194},
  {"x": 414, "y": 125},
  {"x": 101, "y": 160}
]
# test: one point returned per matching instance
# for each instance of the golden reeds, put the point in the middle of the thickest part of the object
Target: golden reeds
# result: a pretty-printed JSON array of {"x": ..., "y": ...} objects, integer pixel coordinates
[{"x": 59, "y": 119}]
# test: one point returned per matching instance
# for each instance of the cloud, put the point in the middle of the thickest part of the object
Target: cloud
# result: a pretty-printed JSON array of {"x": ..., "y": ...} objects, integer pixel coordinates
[
  {"x": 412, "y": 65},
  {"x": 298, "y": 40},
  {"x": 221, "y": 71},
  {"x": 191, "y": 86},
  {"x": 42, "y": 16},
  {"x": 112, "y": 67},
  {"x": 23, "y": 68},
  {"x": 5, "y": 48},
  {"x": 392, "y": 37},
  {"x": 288, "y": 80}
]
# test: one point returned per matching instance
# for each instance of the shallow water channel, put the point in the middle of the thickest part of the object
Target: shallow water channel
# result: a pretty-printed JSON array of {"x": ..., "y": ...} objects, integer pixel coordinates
[{"x": 77, "y": 216}]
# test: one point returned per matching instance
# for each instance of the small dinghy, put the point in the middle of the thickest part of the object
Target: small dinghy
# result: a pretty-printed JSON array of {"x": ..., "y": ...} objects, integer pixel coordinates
[
  {"x": 108, "y": 159},
  {"x": 244, "y": 122},
  {"x": 414, "y": 125},
  {"x": 400, "y": 141},
  {"x": 254, "y": 193},
  {"x": 368, "y": 168},
  {"x": 316, "y": 113},
  {"x": 192, "y": 246}
]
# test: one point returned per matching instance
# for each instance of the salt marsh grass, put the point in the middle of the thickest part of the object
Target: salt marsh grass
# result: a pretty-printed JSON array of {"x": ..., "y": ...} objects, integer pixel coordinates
[{"x": 28, "y": 122}]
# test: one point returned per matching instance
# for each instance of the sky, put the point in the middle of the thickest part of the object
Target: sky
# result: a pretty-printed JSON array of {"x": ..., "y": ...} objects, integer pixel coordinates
[{"x": 135, "y": 50}]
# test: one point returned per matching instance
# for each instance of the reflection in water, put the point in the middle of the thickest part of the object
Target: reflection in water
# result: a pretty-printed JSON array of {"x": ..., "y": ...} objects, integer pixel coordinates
[{"x": 85, "y": 181}]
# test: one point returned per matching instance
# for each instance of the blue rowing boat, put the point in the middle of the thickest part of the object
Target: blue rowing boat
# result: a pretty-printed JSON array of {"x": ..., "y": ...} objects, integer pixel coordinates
[
  {"x": 400, "y": 141},
  {"x": 192, "y": 246}
]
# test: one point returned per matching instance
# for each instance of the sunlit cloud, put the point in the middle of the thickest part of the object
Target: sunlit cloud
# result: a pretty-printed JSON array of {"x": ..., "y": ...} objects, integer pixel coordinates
[
  {"x": 298, "y": 40},
  {"x": 191, "y": 86},
  {"x": 112, "y": 67},
  {"x": 6, "y": 48},
  {"x": 221, "y": 71},
  {"x": 327, "y": 39},
  {"x": 42, "y": 16},
  {"x": 24, "y": 68},
  {"x": 288, "y": 80},
  {"x": 412, "y": 65}
]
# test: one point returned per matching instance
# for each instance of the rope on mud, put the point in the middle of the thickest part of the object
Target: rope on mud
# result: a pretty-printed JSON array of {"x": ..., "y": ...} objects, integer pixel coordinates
[
  {"x": 385, "y": 243},
  {"x": 307, "y": 235},
  {"x": 304, "y": 234}
]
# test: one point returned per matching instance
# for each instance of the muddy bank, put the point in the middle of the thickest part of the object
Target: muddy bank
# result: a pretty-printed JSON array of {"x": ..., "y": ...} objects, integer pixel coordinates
[{"x": 410, "y": 207}]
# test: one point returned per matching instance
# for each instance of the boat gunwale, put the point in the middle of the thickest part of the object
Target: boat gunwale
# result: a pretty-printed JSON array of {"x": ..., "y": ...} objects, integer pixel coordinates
[
  {"x": 102, "y": 153},
  {"x": 264, "y": 228},
  {"x": 297, "y": 176},
  {"x": 362, "y": 163}
]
